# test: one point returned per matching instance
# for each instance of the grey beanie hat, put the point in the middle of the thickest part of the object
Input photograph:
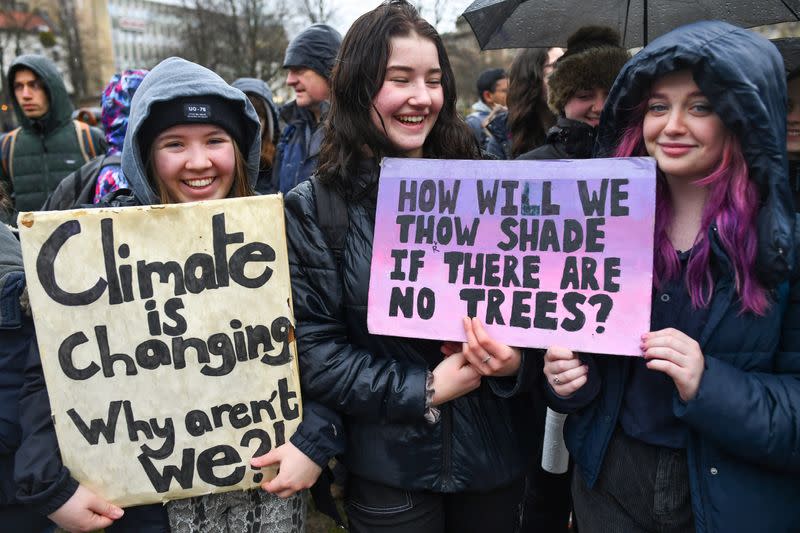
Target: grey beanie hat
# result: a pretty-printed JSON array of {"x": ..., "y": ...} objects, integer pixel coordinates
[{"x": 316, "y": 48}]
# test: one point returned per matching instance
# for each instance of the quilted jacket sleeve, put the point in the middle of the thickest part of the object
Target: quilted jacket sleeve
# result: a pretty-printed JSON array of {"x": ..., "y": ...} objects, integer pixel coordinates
[{"x": 341, "y": 375}]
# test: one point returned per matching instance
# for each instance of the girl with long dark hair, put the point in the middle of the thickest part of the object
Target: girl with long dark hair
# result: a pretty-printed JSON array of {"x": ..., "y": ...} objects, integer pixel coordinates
[
  {"x": 433, "y": 444},
  {"x": 524, "y": 125}
]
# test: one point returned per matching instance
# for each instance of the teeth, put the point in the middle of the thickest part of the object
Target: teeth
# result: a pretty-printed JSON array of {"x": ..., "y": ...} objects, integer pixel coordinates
[
  {"x": 411, "y": 120},
  {"x": 202, "y": 182}
]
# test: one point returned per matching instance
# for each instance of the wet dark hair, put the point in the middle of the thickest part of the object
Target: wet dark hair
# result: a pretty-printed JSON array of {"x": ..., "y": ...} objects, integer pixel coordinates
[
  {"x": 350, "y": 134},
  {"x": 487, "y": 81},
  {"x": 529, "y": 118}
]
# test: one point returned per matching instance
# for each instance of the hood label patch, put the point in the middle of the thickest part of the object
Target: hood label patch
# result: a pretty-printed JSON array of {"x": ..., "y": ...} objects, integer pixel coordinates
[{"x": 197, "y": 111}]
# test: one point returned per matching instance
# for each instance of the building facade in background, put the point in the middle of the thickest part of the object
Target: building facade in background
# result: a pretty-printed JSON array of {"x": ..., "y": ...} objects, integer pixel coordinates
[{"x": 144, "y": 32}]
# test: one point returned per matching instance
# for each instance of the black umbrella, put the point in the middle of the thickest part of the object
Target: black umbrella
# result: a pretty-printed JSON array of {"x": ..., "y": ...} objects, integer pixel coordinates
[
  {"x": 545, "y": 23},
  {"x": 790, "y": 50}
]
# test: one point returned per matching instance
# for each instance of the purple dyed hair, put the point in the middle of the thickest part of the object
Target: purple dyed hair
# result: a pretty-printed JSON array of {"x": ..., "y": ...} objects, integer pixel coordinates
[{"x": 731, "y": 206}]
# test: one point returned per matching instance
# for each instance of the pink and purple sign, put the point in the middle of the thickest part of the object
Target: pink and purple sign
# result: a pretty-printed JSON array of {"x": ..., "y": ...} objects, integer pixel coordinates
[{"x": 543, "y": 252}]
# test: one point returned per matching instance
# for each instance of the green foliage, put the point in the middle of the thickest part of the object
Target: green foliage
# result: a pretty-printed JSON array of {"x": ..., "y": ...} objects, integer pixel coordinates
[{"x": 47, "y": 39}]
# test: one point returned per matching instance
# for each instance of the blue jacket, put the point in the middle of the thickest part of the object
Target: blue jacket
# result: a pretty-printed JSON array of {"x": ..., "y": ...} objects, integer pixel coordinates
[
  {"x": 298, "y": 147},
  {"x": 498, "y": 144},
  {"x": 475, "y": 121},
  {"x": 744, "y": 423}
]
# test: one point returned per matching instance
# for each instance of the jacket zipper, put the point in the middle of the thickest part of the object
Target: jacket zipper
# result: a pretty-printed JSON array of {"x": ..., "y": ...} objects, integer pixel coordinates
[{"x": 45, "y": 165}]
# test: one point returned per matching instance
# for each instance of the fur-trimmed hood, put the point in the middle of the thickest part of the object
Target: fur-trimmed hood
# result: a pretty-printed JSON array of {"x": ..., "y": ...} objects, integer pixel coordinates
[{"x": 593, "y": 58}]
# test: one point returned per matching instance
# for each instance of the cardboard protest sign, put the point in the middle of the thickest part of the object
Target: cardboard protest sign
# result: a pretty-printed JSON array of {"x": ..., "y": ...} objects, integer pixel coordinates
[
  {"x": 167, "y": 343},
  {"x": 543, "y": 252}
]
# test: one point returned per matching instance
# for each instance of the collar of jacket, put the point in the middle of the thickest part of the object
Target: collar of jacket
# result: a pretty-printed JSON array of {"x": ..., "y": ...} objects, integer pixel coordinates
[
  {"x": 576, "y": 136},
  {"x": 365, "y": 180},
  {"x": 292, "y": 113}
]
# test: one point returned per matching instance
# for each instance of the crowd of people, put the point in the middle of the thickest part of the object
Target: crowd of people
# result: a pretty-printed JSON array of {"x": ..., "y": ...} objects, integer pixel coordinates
[{"x": 699, "y": 434}]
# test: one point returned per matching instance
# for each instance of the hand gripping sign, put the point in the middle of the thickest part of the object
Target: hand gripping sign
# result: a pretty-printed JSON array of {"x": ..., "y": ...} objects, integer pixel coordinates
[
  {"x": 543, "y": 252},
  {"x": 167, "y": 343}
]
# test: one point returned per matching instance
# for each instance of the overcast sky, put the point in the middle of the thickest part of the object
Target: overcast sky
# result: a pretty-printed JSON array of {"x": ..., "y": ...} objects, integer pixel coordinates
[{"x": 346, "y": 11}]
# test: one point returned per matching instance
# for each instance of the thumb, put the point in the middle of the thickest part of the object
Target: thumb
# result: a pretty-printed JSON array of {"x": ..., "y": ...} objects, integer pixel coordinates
[
  {"x": 267, "y": 459},
  {"x": 274, "y": 485},
  {"x": 97, "y": 522},
  {"x": 105, "y": 510}
]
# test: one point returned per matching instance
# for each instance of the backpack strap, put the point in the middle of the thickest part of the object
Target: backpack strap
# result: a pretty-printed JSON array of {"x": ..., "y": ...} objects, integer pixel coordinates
[
  {"x": 7, "y": 149},
  {"x": 84, "y": 133},
  {"x": 331, "y": 216}
]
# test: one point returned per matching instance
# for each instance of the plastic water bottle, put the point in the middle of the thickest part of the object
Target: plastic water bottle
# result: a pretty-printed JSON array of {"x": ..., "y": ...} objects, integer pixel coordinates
[{"x": 555, "y": 457}]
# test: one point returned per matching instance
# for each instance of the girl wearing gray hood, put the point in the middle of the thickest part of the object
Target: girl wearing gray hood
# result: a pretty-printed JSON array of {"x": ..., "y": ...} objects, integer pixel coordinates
[{"x": 192, "y": 137}]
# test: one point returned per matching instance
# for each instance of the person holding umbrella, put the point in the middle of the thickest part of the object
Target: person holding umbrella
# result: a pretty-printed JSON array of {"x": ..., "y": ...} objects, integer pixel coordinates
[{"x": 702, "y": 433}]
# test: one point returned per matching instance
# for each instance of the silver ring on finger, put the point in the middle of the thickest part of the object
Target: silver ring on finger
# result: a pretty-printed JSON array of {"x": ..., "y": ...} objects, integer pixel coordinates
[
  {"x": 486, "y": 359},
  {"x": 556, "y": 381}
]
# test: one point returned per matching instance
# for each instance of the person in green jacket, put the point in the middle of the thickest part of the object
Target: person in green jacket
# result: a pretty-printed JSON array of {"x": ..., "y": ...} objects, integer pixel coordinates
[{"x": 48, "y": 145}]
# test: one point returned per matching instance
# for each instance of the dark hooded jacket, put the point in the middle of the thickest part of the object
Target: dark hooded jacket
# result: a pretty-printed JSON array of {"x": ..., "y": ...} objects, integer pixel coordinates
[
  {"x": 47, "y": 148},
  {"x": 744, "y": 423},
  {"x": 256, "y": 87},
  {"x": 43, "y": 480},
  {"x": 483, "y": 438}
]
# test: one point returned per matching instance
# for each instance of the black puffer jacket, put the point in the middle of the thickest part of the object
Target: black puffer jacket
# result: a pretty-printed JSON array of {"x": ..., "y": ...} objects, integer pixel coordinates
[
  {"x": 568, "y": 139},
  {"x": 377, "y": 383}
]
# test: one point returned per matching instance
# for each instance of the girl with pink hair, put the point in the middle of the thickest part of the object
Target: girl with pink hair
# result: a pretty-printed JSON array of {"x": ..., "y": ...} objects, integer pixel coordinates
[{"x": 702, "y": 433}]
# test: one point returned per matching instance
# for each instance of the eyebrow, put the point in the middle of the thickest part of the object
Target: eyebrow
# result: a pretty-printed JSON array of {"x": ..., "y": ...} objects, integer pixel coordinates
[
  {"x": 215, "y": 131},
  {"x": 402, "y": 68},
  {"x": 694, "y": 94}
]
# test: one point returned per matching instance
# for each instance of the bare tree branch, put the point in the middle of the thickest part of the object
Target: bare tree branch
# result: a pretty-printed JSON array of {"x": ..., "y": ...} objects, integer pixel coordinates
[
  {"x": 317, "y": 11},
  {"x": 250, "y": 39}
]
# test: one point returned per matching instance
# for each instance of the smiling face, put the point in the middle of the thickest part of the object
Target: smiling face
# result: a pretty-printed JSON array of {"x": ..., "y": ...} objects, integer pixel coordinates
[
  {"x": 680, "y": 129},
  {"x": 409, "y": 101},
  {"x": 586, "y": 105},
  {"x": 793, "y": 118},
  {"x": 194, "y": 162}
]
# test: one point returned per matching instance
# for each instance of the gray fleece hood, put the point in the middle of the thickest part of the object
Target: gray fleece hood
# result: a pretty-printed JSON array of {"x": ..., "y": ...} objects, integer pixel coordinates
[
  {"x": 174, "y": 78},
  {"x": 261, "y": 90}
]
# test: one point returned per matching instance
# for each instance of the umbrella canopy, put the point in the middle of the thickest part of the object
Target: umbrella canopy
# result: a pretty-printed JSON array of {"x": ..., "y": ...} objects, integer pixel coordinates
[
  {"x": 545, "y": 23},
  {"x": 790, "y": 50}
]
